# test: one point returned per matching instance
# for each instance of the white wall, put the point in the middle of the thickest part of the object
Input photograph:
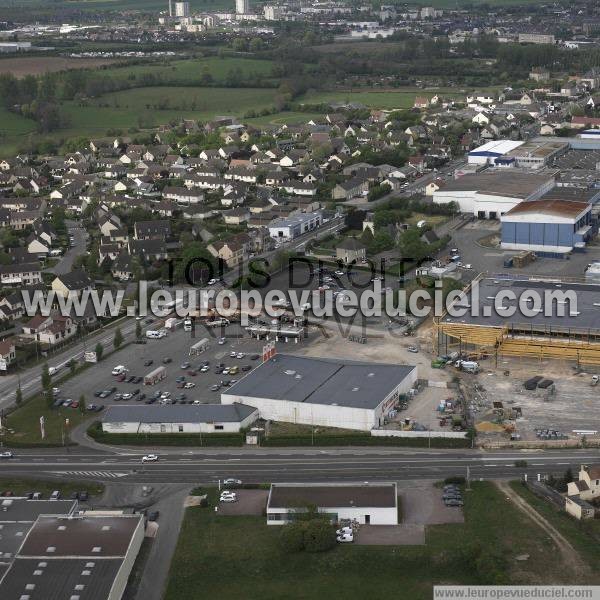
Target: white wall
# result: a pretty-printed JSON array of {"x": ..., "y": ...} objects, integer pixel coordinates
[
  {"x": 378, "y": 515},
  {"x": 308, "y": 414},
  {"x": 136, "y": 427},
  {"x": 118, "y": 586}
]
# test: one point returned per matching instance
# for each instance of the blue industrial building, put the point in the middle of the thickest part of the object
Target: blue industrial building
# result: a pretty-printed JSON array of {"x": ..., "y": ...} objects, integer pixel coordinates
[{"x": 548, "y": 227}]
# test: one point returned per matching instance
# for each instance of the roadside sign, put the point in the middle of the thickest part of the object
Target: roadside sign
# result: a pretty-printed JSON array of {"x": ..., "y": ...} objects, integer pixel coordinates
[
  {"x": 3, "y": 365},
  {"x": 90, "y": 357},
  {"x": 42, "y": 428}
]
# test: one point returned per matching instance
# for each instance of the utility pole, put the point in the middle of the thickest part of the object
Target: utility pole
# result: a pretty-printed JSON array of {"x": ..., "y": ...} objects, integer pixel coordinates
[{"x": 468, "y": 488}]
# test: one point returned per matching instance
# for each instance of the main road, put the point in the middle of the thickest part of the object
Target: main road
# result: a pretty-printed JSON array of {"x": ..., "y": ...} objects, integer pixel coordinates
[{"x": 200, "y": 466}]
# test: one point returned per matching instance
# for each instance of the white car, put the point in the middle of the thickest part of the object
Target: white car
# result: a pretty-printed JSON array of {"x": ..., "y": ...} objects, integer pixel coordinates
[
  {"x": 118, "y": 370},
  {"x": 344, "y": 531},
  {"x": 232, "y": 481},
  {"x": 189, "y": 385},
  {"x": 221, "y": 341},
  {"x": 345, "y": 538},
  {"x": 127, "y": 396},
  {"x": 339, "y": 273},
  {"x": 233, "y": 354},
  {"x": 165, "y": 395},
  {"x": 240, "y": 355},
  {"x": 204, "y": 369},
  {"x": 149, "y": 458},
  {"x": 212, "y": 281},
  {"x": 6, "y": 454}
]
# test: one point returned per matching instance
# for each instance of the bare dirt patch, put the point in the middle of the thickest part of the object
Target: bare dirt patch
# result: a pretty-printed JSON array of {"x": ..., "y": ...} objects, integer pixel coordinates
[{"x": 29, "y": 65}]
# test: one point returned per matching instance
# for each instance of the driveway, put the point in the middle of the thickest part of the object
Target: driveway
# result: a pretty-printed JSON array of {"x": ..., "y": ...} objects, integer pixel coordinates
[{"x": 250, "y": 502}]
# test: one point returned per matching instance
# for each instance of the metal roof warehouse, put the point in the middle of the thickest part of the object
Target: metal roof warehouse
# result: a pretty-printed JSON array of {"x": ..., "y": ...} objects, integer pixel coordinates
[{"x": 321, "y": 391}]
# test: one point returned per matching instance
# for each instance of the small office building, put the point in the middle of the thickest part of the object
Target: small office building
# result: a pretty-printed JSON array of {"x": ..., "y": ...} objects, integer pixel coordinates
[
  {"x": 367, "y": 503},
  {"x": 175, "y": 418}
]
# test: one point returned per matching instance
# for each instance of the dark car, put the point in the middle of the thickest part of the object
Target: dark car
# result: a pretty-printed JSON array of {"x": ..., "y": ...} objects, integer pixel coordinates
[
  {"x": 148, "y": 362},
  {"x": 153, "y": 516},
  {"x": 135, "y": 392},
  {"x": 121, "y": 377},
  {"x": 254, "y": 356},
  {"x": 167, "y": 360},
  {"x": 141, "y": 397},
  {"x": 97, "y": 393},
  {"x": 57, "y": 403},
  {"x": 247, "y": 368},
  {"x": 132, "y": 379},
  {"x": 83, "y": 496}
]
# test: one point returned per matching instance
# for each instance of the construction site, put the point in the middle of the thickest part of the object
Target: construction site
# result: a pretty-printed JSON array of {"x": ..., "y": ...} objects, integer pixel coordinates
[
  {"x": 555, "y": 329},
  {"x": 536, "y": 379}
]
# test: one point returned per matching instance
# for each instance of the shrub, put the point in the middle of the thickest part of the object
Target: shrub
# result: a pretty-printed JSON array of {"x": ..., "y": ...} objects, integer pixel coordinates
[{"x": 292, "y": 537}]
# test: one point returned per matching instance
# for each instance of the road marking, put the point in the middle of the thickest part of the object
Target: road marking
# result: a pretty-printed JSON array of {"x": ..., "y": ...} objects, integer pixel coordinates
[{"x": 99, "y": 474}]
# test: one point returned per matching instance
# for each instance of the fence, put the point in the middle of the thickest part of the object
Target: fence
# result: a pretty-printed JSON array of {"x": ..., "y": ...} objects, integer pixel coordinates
[{"x": 418, "y": 434}]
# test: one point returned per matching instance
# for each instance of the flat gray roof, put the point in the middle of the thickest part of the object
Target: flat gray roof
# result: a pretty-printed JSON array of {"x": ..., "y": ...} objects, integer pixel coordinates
[
  {"x": 98, "y": 536},
  {"x": 21, "y": 509},
  {"x": 58, "y": 579},
  {"x": 327, "y": 381},
  {"x": 333, "y": 496},
  {"x": 586, "y": 315},
  {"x": 175, "y": 413},
  {"x": 508, "y": 182}
]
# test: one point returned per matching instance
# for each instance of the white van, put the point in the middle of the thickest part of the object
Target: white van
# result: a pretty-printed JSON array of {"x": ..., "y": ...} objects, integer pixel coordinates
[
  {"x": 119, "y": 370},
  {"x": 153, "y": 335},
  {"x": 187, "y": 325}
]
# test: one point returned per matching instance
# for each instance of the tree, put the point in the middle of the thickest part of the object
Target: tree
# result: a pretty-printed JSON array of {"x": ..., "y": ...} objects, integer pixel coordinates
[
  {"x": 47, "y": 384},
  {"x": 99, "y": 351},
  {"x": 82, "y": 405},
  {"x": 319, "y": 535},
  {"x": 118, "y": 339},
  {"x": 19, "y": 397},
  {"x": 138, "y": 329},
  {"x": 72, "y": 366}
]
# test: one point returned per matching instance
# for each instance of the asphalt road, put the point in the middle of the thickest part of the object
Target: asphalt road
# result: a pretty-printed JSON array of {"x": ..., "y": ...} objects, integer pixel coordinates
[
  {"x": 202, "y": 466},
  {"x": 31, "y": 378}
]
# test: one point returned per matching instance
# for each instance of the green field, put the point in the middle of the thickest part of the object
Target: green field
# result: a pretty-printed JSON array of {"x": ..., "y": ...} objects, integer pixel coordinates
[
  {"x": 239, "y": 557},
  {"x": 388, "y": 100},
  {"x": 20, "y": 486},
  {"x": 143, "y": 108},
  {"x": 13, "y": 129},
  {"x": 184, "y": 71}
]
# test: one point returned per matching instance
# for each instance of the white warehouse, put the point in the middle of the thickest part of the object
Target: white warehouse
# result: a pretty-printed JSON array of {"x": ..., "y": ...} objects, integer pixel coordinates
[
  {"x": 491, "y": 151},
  {"x": 490, "y": 194},
  {"x": 367, "y": 503},
  {"x": 195, "y": 418},
  {"x": 323, "y": 392}
]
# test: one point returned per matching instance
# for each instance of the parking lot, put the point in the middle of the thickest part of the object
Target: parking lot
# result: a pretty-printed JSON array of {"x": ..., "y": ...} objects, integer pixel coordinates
[{"x": 172, "y": 352}]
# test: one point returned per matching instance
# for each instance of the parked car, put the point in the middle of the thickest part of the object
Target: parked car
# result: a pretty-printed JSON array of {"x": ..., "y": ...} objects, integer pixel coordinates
[
  {"x": 454, "y": 502},
  {"x": 185, "y": 365},
  {"x": 167, "y": 360},
  {"x": 153, "y": 516},
  {"x": 55, "y": 495},
  {"x": 346, "y": 538},
  {"x": 149, "y": 458},
  {"x": 345, "y": 531},
  {"x": 189, "y": 385},
  {"x": 232, "y": 481},
  {"x": 413, "y": 349},
  {"x": 148, "y": 362}
]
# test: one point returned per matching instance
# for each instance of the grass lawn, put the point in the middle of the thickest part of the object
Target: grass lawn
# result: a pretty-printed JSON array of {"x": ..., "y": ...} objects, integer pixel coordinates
[
  {"x": 583, "y": 535},
  {"x": 25, "y": 421},
  {"x": 280, "y": 428},
  {"x": 19, "y": 486},
  {"x": 239, "y": 557},
  {"x": 384, "y": 99},
  {"x": 14, "y": 130},
  {"x": 433, "y": 220}
]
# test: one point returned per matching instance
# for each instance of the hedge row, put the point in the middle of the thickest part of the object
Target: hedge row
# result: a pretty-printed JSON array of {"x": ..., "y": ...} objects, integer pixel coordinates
[{"x": 364, "y": 440}]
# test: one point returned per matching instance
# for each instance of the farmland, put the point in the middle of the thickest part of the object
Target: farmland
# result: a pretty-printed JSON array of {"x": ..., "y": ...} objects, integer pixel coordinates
[
  {"x": 186, "y": 72},
  {"x": 29, "y": 65}
]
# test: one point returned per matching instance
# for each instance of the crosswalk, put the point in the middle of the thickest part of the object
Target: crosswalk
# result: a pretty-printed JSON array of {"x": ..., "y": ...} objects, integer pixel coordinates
[{"x": 95, "y": 474}]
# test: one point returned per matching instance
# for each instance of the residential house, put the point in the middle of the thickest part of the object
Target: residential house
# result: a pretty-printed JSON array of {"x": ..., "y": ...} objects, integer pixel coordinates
[
  {"x": 21, "y": 274},
  {"x": 152, "y": 230},
  {"x": 8, "y": 353},
  {"x": 232, "y": 251},
  {"x": 352, "y": 188},
  {"x": 351, "y": 250},
  {"x": 73, "y": 282}
]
